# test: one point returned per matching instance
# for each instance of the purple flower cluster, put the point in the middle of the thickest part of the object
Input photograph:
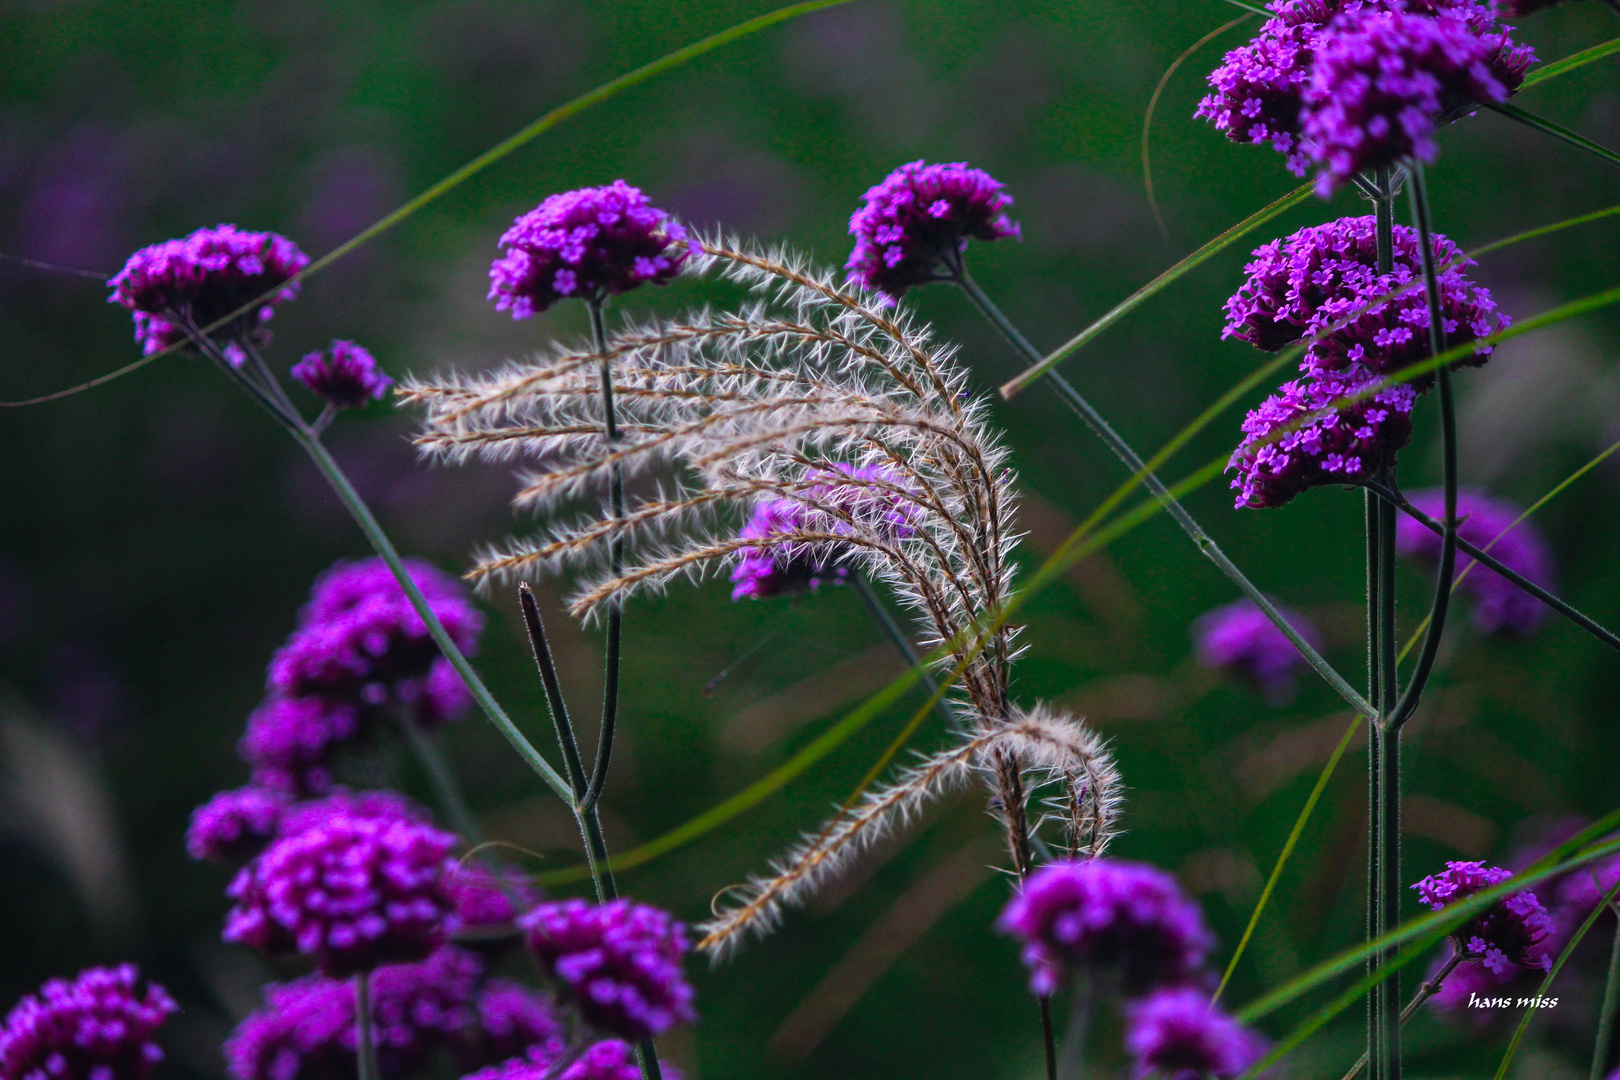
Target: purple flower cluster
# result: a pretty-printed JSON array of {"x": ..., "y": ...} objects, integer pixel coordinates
[
  {"x": 620, "y": 960},
  {"x": 591, "y": 244},
  {"x": 1499, "y": 605},
  {"x": 610, "y": 1059},
  {"x": 1510, "y": 931},
  {"x": 354, "y": 891},
  {"x": 488, "y": 903},
  {"x": 1384, "y": 80},
  {"x": 1106, "y": 913},
  {"x": 920, "y": 217},
  {"x": 841, "y": 501},
  {"x": 234, "y": 824},
  {"x": 1307, "y": 285},
  {"x": 1258, "y": 92},
  {"x": 289, "y": 741},
  {"x": 346, "y": 376},
  {"x": 1179, "y": 1034},
  {"x": 1238, "y": 638},
  {"x": 306, "y": 1029},
  {"x": 202, "y": 278},
  {"x": 99, "y": 1026}
]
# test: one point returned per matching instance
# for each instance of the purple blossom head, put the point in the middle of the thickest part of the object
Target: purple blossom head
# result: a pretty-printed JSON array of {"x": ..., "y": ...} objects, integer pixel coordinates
[
  {"x": 1308, "y": 283},
  {"x": 1106, "y": 913},
  {"x": 1179, "y": 1034},
  {"x": 346, "y": 376},
  {"x": 1324, "y": 446},
  {"x": 486, "y": 902},
  {"x": 98, "y": 1026},
  {"x": 1384, "y": 80},
  {"x": 515, "y": 1020},
  {"x": 204, "y": 277},
  {"x": 921, "y": 217},
  {"x": 842, "y": 500},
  {"x": 354, "y": 892},
  {"x": 1510, "y": 931},
  {"x": 621, "y": 962},
  {"x": 359, "y": 639},
  {"x": 289, "y": 742},
  {"x": 588, "y": 244},
  {"x": 1239, "y": 639},
  {"x": 235, "y": 824},
  {"x": 1499, "y": 605},
  {"x": 610, "y": 1059},
  {"x": 312, "y": 813}
]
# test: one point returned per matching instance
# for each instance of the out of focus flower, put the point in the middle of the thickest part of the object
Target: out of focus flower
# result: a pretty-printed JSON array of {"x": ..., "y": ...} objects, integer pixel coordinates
[
  {"x": 289, "y": 742},
  {"x": 346, "y": 376},
  {"x": 611, "y": 1059},
  {"x": 98, "y": 1026},
  {"x": 1510, "y": 931},
  {"x": 354, "y": 892},
  {"x": 621, "y": 962},
  {"x": 1304, "y": 285},
  {"x": 1238, "y": 638},
  {"x": 203, "y": 277},
  {"x": 488, "y": 902},
  {"x": 1326, "y": 446},
  {"x": 1106, "y": 913},
  {"x": 1179, "y": 1034},
  {"x": 1499, "y": 605},
  {"x": 1383, "y": 81},
  {"x": 515, "y": 1020},
  {"x": 234, "y": 824},
  {"x": 588, "y": 244},
  {"x": 918, "y": 220}
]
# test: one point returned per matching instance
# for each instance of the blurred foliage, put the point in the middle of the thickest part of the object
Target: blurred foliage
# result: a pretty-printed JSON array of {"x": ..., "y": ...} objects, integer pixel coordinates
[{"x": 159, "y": 534}]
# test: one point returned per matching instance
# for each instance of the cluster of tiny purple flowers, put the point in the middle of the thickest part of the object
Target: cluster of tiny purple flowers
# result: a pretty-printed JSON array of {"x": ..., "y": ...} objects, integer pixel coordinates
[
  {"x": 98, "y": 1026},
  {"x": 1513, "y": 930},
  {"x": 346, "y": 376},
  {"x": 1237, "y": 638},
  {"x": 1500, "y": 606}
]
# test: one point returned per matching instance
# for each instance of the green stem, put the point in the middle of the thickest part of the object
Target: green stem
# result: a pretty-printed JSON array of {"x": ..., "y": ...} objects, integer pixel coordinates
[
  {"x": 615, "y": 617},
  {"x": 1049, "y": 1039},
  {"x": 1072, "y": 1061},
  {"x": 1611, "y": 998},
  {"x": 446, "y": 787},
  {"x": 1557, "y": 131},
  {"x": 365, "y": 1041},
  {"x": 1424, "y": 993},
  {"x": 1201, "y": 539},
  {"x": 897, "y": 636}
]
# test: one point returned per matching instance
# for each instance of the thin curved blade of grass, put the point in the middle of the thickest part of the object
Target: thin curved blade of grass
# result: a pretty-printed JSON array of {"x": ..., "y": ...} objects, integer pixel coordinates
[
  {"x": 566, "y": 111},
  {"x": 1288, "y": 850},
  {"x": 1575, "y": 939},
  {"x": 1153, "y": 104},
  {"x": 1557, "y": 131},
  {"x": 1253, "y": 9},
  {"x": 1571, "y": 62},
  {"x": 1022, "y": 380}
]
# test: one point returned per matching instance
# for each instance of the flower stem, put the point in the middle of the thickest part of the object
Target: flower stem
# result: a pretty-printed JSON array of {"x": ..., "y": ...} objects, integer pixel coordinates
[
  {"x": 615, "y": 617},
  {"x": 365, "y": 1040},
  {"x": 1611, "y": 998},
  {"x": 1201, "y": 539},
  {"x": 1424, "y": 993},
  {"x": 446, "y": 787},
  {"x": 897, "y": 636},
  {"x": 1072, "y": 1062},
  {"x": 1049, "y": 1038}
]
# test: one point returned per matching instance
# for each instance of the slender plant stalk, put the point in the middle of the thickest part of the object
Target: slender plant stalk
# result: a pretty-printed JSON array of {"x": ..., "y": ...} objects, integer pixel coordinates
[
  {"x": 446, "y": 787},
  {"x": 365, "y": 1040},
  {"x": 897, "y": 636},
  {"x": 1611, "y": 998},
  {"x": 1072, "y": 1060},
  {"x": 1201, "y": 539},
  {"x": 1049, "y": 1038},
  {"x": 615, "y": 617},
  {"x": 1424, "y": 993}
]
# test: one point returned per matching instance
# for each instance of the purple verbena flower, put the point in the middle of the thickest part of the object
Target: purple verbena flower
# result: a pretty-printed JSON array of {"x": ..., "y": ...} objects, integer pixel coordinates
[
  {"x": 354, "y": 892},
  {"x": 515, "y": 1020},
  {"x": 234, "y": 824},
  {"x": 1179, "y": 1034},
  {"x": 1510, "y": 931},
  {"x": 590, "y": 244},
  {"x": 1312, "y": 281},
  {"x": 486, "y": 903},
  {"x": 610, "y": 1059},
  {"x": 289, "y": 742},
  {"x": 620, "y": 960},
  {"x": 1106, "y": 913},
  {"x": 98, "y": 1026},
  {"x": 1384, "y": 80},
  {"x": 203, "y": 277},
  {"x": 1339, "y": 446},
  {"x": 313, "y": 813},
  {"x": 1238, "y": 638},
  {"x": 1499, "y": 605},
  {"x": 359, "y": 639},
  {"x": 918, "y": 219},
  {"x": 842, "y": 500},
  {"x": 346, "y": 377}
]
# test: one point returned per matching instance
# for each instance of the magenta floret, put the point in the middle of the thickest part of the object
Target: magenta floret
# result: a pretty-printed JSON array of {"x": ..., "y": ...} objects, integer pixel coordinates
[
  {"x": 588, "y": 244},
  {"x": 346, "y": 375},
  {"x": 484, "y": 901},
  {"x": 204, "y": 277},
  {"x": 235, "y": 824},
  {"x": 97, "y": 1026},
  {"x": 918, "y": 219},
  {"x": 1383, "y": 81},
  {"x": 1110, "y": 914},
  {"x": 515, "y": 1020},
  {"x": 1313, "y": 280},
  {"x": 1510, "y": 931},
  {"x": 620, "y": 960},
  {"x": 1239, "y": 639},
  {"x": 610, "y": 1059},
  {"x": 1499, "y": 605},
  {"x": 354, "y": 892},
  {"x": 1339, "y": 446},
  {"x": 289, "y": 742},
  {"x": 1179, "y": 1034}
]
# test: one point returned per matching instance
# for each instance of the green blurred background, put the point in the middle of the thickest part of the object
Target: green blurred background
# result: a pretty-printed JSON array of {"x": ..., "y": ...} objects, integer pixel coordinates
[{"x": 158, "y": 534}]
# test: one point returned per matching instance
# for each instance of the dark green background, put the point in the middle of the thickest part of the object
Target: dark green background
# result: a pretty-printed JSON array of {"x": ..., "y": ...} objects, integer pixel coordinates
[{"x": 157, "y": 535}]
